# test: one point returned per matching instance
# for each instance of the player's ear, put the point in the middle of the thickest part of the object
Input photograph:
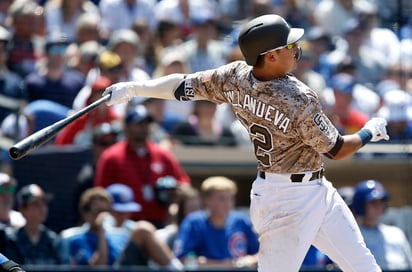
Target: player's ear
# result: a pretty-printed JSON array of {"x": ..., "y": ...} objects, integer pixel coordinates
[{"x": 270, "y": 57}]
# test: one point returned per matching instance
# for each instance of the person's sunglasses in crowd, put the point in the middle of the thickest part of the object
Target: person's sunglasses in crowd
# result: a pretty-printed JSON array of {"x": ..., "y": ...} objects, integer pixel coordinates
[{"x": 11, "y": 189}]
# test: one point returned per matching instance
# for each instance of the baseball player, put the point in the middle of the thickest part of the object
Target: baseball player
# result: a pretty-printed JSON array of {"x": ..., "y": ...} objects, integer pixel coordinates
[
  {"x": 7, "y": 265},
  {"x": 292, "y": 204}
]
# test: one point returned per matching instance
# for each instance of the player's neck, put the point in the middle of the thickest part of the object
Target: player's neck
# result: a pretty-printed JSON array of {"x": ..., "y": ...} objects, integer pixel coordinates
[{"x": 264, "y": 74}]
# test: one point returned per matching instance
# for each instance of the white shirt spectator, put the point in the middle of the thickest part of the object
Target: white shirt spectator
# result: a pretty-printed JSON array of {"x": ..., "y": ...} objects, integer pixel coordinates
[{"x": 116, "y": 14}]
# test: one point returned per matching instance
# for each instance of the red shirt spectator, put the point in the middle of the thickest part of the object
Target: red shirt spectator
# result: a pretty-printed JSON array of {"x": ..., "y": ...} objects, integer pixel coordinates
[{"x": 139, "y": 163}]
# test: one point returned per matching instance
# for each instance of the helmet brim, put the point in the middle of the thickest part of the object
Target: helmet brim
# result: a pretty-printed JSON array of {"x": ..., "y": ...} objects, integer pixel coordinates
[{"x": 295, "y": 35}]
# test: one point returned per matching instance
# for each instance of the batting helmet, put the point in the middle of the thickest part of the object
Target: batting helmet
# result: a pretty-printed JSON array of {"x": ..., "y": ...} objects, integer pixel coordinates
[
  {"x": 266, "y": 33},
  {"x": 366, "y": 191}
]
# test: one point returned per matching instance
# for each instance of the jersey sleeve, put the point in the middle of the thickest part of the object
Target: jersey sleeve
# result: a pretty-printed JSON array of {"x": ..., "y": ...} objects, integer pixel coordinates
[{"x": 315, "y": 128}]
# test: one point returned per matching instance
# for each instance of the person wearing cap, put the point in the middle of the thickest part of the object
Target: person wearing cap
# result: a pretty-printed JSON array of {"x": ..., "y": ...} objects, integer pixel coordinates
[
  {"x": 8, "y": 216},
  {"x": 103, "y": 136},
  {"x": 387, "y": 243},
  {"x": 80, "y": 131},
  {"x": 126, "y": 43},
  {"x": 143, "y": 245},
  {"x": 138, "y": 162},
  {"x": 344, "y": 116},
  {"x": 33, "y": 244},
  {"x": 54, "y": 80}
]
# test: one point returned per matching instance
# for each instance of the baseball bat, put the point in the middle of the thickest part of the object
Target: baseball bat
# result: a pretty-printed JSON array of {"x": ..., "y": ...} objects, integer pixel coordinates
[{"x": 35, "y": 140}]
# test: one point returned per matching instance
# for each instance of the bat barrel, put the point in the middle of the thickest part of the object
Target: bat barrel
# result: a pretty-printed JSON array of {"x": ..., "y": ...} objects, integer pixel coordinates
[{"x": 40, "y": 137}]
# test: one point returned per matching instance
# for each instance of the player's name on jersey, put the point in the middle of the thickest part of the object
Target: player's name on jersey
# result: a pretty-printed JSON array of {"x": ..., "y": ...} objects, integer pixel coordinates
[{"x": 260, "y": 109}]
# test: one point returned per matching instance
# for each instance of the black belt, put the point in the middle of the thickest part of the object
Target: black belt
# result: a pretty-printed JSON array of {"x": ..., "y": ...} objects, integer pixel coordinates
[{"x": 298, "y": 177}]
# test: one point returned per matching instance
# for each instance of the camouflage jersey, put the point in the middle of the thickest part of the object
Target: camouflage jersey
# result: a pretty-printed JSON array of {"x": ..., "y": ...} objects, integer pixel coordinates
[{"x": 284, "y": 118}]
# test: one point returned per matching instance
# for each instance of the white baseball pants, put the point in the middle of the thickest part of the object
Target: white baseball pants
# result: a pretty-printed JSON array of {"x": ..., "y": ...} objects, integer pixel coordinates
[{"x": 290, "y": 216}]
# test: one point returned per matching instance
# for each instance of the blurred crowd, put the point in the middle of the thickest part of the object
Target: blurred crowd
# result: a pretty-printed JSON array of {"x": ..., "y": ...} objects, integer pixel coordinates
[{"x": 58, "y": 56}]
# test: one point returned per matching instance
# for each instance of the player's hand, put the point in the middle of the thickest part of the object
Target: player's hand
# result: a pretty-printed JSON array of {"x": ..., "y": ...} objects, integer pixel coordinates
[
  {"x": 377, "y": 126},
  {"x": 10, "y": 266},
  {"x": 119, "y": 93}
]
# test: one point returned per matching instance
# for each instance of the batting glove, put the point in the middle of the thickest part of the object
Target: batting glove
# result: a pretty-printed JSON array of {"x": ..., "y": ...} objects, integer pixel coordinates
[
  {"x": 119, "y": 93},
  {"x": 377, "y": 126}
]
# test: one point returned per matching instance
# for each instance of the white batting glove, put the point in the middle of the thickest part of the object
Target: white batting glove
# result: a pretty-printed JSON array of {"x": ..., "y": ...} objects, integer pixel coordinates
[
  {"x": 377, "y": 126},
  {"x": 119, "y": 93}
]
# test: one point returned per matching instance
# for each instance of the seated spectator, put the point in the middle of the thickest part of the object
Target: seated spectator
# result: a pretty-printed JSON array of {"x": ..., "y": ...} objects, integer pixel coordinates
[
  {"x": 218, "y": 235},
  {"x": 397, "y": 110},
  {"x": 80, "y": 131},
  {"x": 92, "y": 244},
  {"x": 8, "y": 216},
  {"x": 388, "y": 244},
  {"x": 202, "y": 128},
  {"x": 139, "y": 163},
  {"x": 23, "y": 55},
  {"x": 122, "y": 207},
  {"x": 104, "y": 135},
  {"x": 342, "y": 113},
  {"x": 188, "y": 200},
  {"x": 53, "y": 80},
  {"x": 33, "y": 244}
]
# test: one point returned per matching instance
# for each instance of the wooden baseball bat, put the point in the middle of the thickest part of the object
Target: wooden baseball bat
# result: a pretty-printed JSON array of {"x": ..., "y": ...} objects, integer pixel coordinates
[{"x": 35, "y": 140}]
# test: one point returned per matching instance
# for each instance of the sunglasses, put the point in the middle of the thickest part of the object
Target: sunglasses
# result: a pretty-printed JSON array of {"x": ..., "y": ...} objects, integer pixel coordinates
[
  {"x": 288, "y": 46},
  {"x": 7, "y": 189},
  {"x": 55, "y": 50}
]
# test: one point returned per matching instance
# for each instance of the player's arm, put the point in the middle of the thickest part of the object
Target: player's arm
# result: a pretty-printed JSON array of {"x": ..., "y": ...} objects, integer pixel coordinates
[
  {"x": 166, "y": 87},
  {"x": 345, "y": 146},
  {"x": 7, "y": 265}
]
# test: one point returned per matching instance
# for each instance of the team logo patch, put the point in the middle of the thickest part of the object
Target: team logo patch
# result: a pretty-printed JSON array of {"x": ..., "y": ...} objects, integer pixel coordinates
[
  {"x": 184, "y": 91},
  {"x": 320, "y": 122}
]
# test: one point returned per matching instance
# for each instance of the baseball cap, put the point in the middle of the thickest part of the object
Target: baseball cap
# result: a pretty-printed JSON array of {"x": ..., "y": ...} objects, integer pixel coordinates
[
  {"x": 124, "y": 36},
  {"x": 397, "y": 106},
  {"x": 123, "y": 198},
  {"x": 4, "y": 34},
  {"x": 343, "y": 82},
  {"x": 109, "y": 60},
  {"x": 137, "y": 114},
  {"x": 30, "y": 193}
]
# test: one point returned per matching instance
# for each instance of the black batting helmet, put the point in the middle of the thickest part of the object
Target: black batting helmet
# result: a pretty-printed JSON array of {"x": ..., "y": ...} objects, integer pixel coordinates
[{"x": 264, "y": 33}]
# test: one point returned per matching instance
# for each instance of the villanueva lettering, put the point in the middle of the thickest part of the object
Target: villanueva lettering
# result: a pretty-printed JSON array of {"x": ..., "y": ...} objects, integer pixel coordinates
[{"x": 259, "y": 109}]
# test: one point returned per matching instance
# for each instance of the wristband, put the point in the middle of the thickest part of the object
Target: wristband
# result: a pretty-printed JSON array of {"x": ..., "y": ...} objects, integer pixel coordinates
[{"x": 365, "y": 135}]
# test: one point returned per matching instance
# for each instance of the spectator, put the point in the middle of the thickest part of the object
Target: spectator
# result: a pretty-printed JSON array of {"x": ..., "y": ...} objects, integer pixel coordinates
[
  {"x": 80, "y": 131},
  {"x": 33, "y": 244},
  {"x": 8, "y": 216},
  {"x": 85, "y": 57},
  {"x": 63, "y": 15},
  {"x": 143, "y": 247},
  {"x": 92, "y": 244},
  {"x": 202, "y": 128},
  {"x": 10, "y": 83},
  {"x": 104, "y": 135},
  {"x": 54, "y": 81},
  {"x": 23, "y": 56},
  {"x": 331, "y": 15},
  {"x": 218, "y": 235},
  {"x": 108, "y": 64},
  {"x": 343, "y": 115},
  {"x": 397, "y": 109},
  {"x": 188, "y": 200},
  {"x": 126, "y": 43},
  {"x": 121, "y": 14},
  {"x": 388, "y": 244},
  {"x": 122, "y": 207},
  {"x": 139, "y": 163},
  {"x": 203, "y": 50},
  {"x": 369, "y": 63},
  {"x": 87, "y": 29},
  {"x": 4, "y": 6}
]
